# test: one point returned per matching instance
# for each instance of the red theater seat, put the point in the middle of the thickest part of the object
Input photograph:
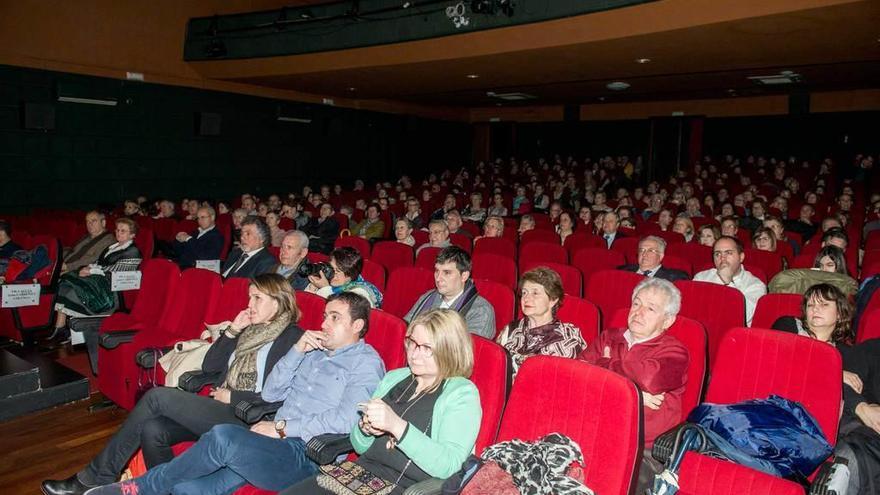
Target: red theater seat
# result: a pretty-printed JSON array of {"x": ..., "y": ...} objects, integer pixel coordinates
[
  {"x": 717, "y": 307},
  {"x": 405, "y": 286},
  {"x": 771, "y": 307}
]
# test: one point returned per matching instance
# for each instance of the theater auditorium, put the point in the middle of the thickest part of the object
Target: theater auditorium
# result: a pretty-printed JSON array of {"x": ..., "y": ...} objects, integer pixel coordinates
[{"x": 614, "y": 247}]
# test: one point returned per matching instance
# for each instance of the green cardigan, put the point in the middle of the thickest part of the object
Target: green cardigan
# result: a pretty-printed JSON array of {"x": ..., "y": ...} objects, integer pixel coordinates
[{"x": 454, "y": 427}]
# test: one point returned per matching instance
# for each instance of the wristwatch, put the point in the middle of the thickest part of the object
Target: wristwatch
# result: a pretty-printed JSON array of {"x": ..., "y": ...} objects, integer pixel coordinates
[{"x": 279, "y": 427}]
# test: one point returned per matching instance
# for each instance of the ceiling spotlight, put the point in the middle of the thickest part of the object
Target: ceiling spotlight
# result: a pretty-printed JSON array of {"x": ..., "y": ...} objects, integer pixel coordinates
[
  {"x": 352, "y": 88},
  {"x": 642, "y": 60},
  {"x": 617, "y": 86},
  {"x": 472, "y": 76}
]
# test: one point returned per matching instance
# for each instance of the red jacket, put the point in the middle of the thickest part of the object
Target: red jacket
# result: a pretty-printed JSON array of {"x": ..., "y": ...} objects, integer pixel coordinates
[{"x": 656, "y": 366}]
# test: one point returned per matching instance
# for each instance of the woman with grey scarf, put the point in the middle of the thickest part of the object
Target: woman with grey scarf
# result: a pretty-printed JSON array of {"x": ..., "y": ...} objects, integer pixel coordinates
[{"x": 244, "y": 355}]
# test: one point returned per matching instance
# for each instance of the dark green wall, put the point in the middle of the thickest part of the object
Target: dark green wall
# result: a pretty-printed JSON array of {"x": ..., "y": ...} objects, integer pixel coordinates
[{"x": 147, "y": 144}]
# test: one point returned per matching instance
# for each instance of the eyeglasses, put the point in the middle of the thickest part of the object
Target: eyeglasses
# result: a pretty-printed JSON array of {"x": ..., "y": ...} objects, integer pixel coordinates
[
  {"x": 648, "y": 250},
  {"x": 414, "y": 347}
]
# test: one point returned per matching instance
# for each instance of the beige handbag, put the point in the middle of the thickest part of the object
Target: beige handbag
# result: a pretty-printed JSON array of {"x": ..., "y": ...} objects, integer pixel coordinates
[{"x": 188, "y": 355}]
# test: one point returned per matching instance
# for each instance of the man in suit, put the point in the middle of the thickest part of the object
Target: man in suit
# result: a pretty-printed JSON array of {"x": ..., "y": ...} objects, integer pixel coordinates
[
  {"x": 610, "y": 224},
  {"x": 251, "y": 258},
  {"x": 294, "y": 249},
  {"x": 454, "y": 289},
  {"x": 651, "y": 252},
  {"x": 206, "y": 243},
  {"x": 322, "y": 231}
]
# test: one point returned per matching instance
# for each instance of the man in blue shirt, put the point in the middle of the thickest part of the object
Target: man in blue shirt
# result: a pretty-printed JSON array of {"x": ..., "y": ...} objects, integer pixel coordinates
[{"x": 321, "y": 381}]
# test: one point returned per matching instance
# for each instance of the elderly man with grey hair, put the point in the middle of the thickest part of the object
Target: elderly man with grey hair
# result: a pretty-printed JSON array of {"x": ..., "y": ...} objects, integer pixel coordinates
[
  {"x": 643, "y": 352},
  {"x": 203, "y": 244},
  {"x": 251, "y": 258},
  {"x": 293, "y": 252},
  {"x": 651, "y": 252}
]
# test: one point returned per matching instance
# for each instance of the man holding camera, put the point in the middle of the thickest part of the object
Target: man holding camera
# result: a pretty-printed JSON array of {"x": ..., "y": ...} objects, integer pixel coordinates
[{"x": 292, "y": 259}]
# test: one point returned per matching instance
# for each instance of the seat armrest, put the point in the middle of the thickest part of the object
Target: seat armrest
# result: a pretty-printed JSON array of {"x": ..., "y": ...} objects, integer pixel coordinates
[
  {"x": 324, "y": 449},
  {"x": 430, "y": 486},
  {"x": 252, "y": 412},
  {"x": 194, "y": 381},
  {"x": 112, "y": 340}
]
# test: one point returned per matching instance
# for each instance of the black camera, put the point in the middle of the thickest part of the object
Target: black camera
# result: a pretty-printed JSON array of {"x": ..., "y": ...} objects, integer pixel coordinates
[{"x": 307, "y": 268}]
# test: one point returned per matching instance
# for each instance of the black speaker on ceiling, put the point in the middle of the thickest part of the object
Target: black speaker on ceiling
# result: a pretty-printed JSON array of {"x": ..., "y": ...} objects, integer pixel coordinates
[
  {"x": 799, "y": 103},
  {"x": 38, "y": 116},
  {"x": 208, "y": 124},
  {"x": 571, "y": 113}
]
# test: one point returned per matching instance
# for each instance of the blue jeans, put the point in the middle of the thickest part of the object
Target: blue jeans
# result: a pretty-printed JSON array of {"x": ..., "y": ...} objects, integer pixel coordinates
[{"x": 225, "y": 459}]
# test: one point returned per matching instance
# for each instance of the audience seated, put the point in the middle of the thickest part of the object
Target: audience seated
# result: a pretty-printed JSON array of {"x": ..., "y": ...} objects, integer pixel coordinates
[
  {"x": 831, "y": 259},
  {"x": 321, "y": 381},
  {"x": 539, "y": 331},
  {"x": 610, "y": 224},
  {"x": 372, "y": 227},
  {"x": 454, "y": 289},
  {"x": 251, "y": 258},
  {"x": 346, "y": 265},
  {"x": 728, "y": 256},
  {"x": 708, "y": 234},
  {"x": 423, "y": 420},
  {"x": 763, "y": 239},
  {"x": 205, "y": 243},
  {"x": 651, "y": 252},
  {"x": 454, "y": 222},
  {"x": 526, "y": 223},
  {"x": 323, "y": 230},
  {"x": 493, "y": 227},
  {"x": 438, "y": 236},
  {"x": 293, "y": 252},
  {"x": 87, "y": 291},
  {"x": 403, "y": 229},
  {"x": 7, "y": 245},
  {"x": 273, "y": 219},
  {"x": 655, "y": 361},
  {"x": 684, "y": 226},
  {"x": 86, "y": 250}
]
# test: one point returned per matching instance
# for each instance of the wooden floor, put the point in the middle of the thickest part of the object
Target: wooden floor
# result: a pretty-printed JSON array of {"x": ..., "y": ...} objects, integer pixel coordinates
[{"x": 52, "y": 444}]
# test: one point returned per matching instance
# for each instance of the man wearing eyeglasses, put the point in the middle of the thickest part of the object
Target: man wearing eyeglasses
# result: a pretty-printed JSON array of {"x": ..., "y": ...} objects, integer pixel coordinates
[
  {"x": 651, "y": 252},
  {"x": 727, "y": 253}
]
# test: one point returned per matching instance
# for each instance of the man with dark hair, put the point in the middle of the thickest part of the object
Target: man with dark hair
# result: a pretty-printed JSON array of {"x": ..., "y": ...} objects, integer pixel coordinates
[
  {"x": 610, "y": 226},
  {"x": 454, "y": 289},
  {"x": 7, "y": 247},
  {"x": 204, "y": 243},
  {"x": 728, "y": 256},
  {"x": 251, "y": 258},
  {"x": 322, "y": 231},
  {"x": 835, "y": 236}
]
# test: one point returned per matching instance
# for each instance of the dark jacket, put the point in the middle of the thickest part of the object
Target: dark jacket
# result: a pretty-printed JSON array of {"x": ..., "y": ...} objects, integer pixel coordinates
[
  {"x": 670, "y": 274},
  {"x": 7, "y": 249},
  {"x": 322, "y": 235},
  {"x": 207, "y": 247},
  {"x": 262, "y": 262},
  {"x": 217, "y": 358},
  {"x": 297, "y": 282}
]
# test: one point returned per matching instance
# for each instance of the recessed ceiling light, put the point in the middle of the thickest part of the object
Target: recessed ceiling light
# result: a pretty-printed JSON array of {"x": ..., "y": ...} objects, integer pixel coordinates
[
  {"x": 642, "y": 60},
  {"x": 472, "y": 76},
  {"x": 352, "y": 88},
  {"x": 617, "y": 86}
]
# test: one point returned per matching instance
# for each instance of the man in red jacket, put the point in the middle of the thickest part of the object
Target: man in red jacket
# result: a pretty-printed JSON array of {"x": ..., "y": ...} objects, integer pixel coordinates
[{"x": 655, "y": 361}]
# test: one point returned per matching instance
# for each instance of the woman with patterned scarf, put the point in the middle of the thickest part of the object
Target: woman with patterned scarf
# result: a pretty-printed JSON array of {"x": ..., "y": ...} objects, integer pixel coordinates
[
  {"x": 539, "y": 332},
  {"x": 244, "y": 355},
  {"x": 347, "y": 264}
]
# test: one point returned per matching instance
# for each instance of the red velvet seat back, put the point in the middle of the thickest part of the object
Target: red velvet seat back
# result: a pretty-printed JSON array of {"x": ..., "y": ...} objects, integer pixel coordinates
[
  {"x": 699, "y": 256},
  {"x": 611, "y": 290},
  {"x": 869, "y": 326},
  {"x": 392, "y": 255},
  {"x": 462, "y": 241},
  {"x": 581, "y": 240},
  {"x": 597, "y": 408},
  {"x": 495, "y": 245},
  {"x": 159, "y": 278},
  {"x": 501, "y": 298},
  {"x": 374, "y": 273},
  {"x": 582, "y": 314},
  {"x": 312, "y": 308},
  {"x": 145, "y": 242},
  {"x": 540, "y": 252},
  {"x": 539, "y": 235},
  {"x": 769, "y": 262},
  {"x": 771, "y": 307},
  {"x": 232, "y": 300},
  {"x": 592, "y": 260},
  {"x": 184, "y": 317},
  {"x": 717, "y": 307},
  {"x": 572, "y": 280},
  {"x": 628, "y": 247},
  {"x": 386, "y": 334},
  {"x": 490, "y": 377},
  {"x": 427, "y": 257},
  {"x": 494, "y": 267},
  {"x": 405, "y": 286},
  {"x": 362, "y": 245}
]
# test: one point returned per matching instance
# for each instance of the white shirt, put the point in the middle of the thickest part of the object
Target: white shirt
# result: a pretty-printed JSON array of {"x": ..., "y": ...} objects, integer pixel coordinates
[
  {"x": 447, "y": 305},
  {"x": 749, "y": 285},
  {"x": 631, "y": 341}
]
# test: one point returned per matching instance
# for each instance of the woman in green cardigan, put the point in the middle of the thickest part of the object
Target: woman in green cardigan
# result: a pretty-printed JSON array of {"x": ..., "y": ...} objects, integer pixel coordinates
[{"x": 423, "y": 420}]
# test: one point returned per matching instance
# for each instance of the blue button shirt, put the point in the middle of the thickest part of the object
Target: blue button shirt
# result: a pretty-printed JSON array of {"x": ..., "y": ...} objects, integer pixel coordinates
[{"x": 321, "y": 389}]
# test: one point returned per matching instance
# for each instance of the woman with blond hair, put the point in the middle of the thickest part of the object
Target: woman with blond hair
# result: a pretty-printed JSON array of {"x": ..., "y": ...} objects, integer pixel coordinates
[{"x": 423, "y": 419}]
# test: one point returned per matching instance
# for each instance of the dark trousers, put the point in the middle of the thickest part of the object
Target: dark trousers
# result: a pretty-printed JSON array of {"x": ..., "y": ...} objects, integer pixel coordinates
[{"x": 164, "y": 416}]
